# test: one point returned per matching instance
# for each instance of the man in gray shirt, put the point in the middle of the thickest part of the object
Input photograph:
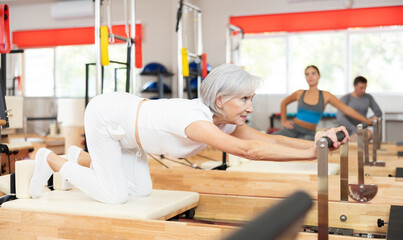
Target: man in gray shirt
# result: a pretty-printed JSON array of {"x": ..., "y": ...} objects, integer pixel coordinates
[{"x": 360, "y": 101}]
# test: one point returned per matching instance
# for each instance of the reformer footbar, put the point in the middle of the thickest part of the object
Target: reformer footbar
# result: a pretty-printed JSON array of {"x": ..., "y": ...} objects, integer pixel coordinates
[
  {"x": 344, "y": 172},
  {"x": 376, "y": 144},
  {"x": 323, "y": 145},
  {"x": 379, "y": 135},
  {"x": 362, "y": 192},
  {"x": 366, "y": 147}
]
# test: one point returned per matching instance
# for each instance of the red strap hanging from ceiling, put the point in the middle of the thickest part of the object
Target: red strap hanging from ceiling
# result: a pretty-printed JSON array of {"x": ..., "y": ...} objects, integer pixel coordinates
[{"x": 4, "y": 29}]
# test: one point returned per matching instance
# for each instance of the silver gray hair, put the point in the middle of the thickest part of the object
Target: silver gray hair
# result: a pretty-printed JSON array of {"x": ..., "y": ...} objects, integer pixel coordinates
[{"x": 229, "y": 81}]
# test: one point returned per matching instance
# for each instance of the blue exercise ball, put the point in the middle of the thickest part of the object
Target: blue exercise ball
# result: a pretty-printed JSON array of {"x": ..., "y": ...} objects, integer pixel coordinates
[{"x": 153, "y": 68}]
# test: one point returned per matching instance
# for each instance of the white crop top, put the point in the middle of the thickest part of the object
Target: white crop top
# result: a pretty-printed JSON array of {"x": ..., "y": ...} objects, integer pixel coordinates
[{"x": 162, "y": 124}]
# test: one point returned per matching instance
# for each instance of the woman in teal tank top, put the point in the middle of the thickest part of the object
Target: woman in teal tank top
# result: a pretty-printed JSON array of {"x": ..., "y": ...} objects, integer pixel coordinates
[{"x": 311, "y": 104}]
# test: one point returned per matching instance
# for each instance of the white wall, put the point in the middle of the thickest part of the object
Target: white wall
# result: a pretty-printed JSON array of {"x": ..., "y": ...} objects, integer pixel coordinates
[{"x": 159, "y": 43}]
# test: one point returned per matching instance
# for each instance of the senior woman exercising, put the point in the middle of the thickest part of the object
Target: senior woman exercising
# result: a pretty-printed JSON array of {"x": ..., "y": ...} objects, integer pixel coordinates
[{"x": 120, "y": 129}]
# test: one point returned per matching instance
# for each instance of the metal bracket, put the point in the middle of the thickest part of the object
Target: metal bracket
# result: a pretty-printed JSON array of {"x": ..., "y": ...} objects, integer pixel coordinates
[{"x": 332, "y": 230}]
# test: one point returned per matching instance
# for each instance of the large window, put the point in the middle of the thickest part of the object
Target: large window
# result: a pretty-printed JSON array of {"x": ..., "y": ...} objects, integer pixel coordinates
[
  {"x": 70, "y": 70},
  {"x": 266, "y": 57},
  {"x": 324, "y": 50},
  {"x": 379, "y": 56},
  {"x": 60, "y": 71},
  {"x": 39, "y": 72},
  {"x": 340, "y": 56}
]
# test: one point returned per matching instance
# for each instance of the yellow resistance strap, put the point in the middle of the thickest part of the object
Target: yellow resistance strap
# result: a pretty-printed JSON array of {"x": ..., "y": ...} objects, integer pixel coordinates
[
  {"x": 104, "y": 46},
  {"x": 185, "y": 64}
]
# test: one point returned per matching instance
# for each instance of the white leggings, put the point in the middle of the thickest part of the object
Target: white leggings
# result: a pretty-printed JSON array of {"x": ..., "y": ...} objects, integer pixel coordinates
[{"x": 118, "y": 167}]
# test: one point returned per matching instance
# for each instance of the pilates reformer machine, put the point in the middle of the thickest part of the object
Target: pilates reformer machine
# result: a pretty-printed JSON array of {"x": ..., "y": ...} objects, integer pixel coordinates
[
  {"x": 64, "y": 213},
  {"x": 69, "y": 214},
  {"x": 67, "y": 205},
  {"x": 161, "y": 205},
  {"x": 221, "y": 193}
]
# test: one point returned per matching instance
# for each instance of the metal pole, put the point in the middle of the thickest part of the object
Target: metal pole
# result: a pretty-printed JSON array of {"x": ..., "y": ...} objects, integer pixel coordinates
[
  {"x": 86, "y": 83},
  {"x": 116, "y": 80},
  {"x": 3, "y": 74},
  {"x": 98, "y": 46},
  {"x": 374, "y": 141},
  {"x": 360, "y": 153},
  {"x": 235, "y": 28},
  {"x": 180, "y": 74},
  {"x": 102, "y": 79},
  {"x": 133, "y": 59},
  {"x": 128, "y": 65},
  {"x": 323, "y": 189},
  {"x": 25, "y": 129},
  {"x": 232, "y": 54},
  {"x": 366, "y": 148},
  {"x": 160, "y": 85},
  {"x": 121, "y": 38},
  {"x": 379, "y": 141},
  {"x": 228, "y": 44},
  {"x": 199, "y": 49},
  {"x": 344, "y": 173}
]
